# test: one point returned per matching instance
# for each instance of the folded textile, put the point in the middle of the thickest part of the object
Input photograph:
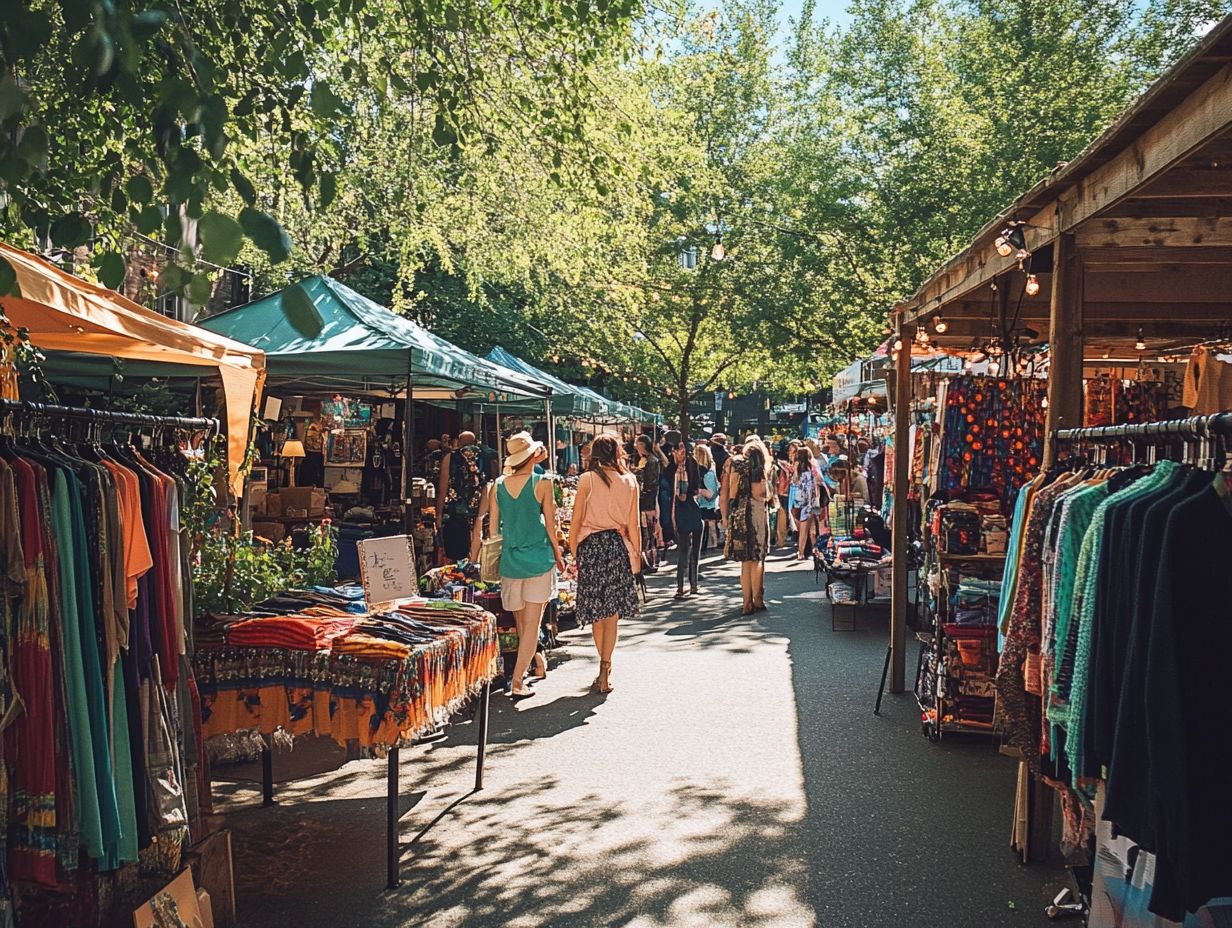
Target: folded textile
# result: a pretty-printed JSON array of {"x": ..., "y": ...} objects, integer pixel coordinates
[{"x": 294, "y": 632}]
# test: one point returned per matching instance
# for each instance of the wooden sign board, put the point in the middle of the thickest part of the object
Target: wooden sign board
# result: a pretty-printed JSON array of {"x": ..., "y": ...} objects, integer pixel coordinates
[
  {"x": 175, "y": 905},
  {"x": 387, "y": 568}
]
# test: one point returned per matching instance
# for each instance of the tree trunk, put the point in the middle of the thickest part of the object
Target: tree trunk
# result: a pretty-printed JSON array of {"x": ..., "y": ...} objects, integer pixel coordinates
[{"x": 684, "y": 415}]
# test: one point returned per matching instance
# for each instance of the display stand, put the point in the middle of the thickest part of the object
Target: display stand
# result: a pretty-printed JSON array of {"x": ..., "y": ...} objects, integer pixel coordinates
[{"x": 392, "y": 790}]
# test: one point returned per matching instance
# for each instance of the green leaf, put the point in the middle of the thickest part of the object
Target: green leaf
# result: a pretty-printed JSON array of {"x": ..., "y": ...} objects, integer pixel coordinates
[
  {"x": 266, "y": 234},
  {"x": 149, "y": 219},
  {"x": 8, "y": 279},
  {"x": 442, "y": 133},
  {"x": 221, "y": 238},
  {"x": 301, "y": 312},
  {"x": 243, "y": 186},
  {"x": 328, "y": 189},
  {"x": 111, "y": 269},
  {"x": 71, "y": 230},
  {"x": 139, "y": 189},
  {"x": 172, "y": 278},
  {"x": 324, "y": 101},
  {"x": 200, "y": 289},
  {"x": 173, "y": 228}
]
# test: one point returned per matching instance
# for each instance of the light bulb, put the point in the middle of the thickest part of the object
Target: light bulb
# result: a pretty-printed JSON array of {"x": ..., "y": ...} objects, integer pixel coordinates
[
  {"x": 898, "y": 345},
  {"x": 1003, "y": 246},
  {"x": 718, "y": 252},
  {"x": 940, "y": 325},
  {"x": 1032, "y": 285},
  {"x": 1044, "y": 403},
  {"x": 922, "y": 338},
  {"x": 968, "y": 364},
  {"x": 1140, "y": 344}
]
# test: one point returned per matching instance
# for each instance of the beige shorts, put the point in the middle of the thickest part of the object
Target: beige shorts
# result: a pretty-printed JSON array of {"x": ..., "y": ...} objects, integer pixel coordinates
[{"x": 516, "y": 593}]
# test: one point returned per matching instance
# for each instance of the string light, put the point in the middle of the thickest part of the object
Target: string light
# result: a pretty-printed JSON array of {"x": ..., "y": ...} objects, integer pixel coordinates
[
  {"x": 1033, "y": 285},
  {"x": 1140, "y": 344},
  {"x": 940, "y": 325},
  {"x": 898, "y": 345},
  {"x": 718, "y": 252}
]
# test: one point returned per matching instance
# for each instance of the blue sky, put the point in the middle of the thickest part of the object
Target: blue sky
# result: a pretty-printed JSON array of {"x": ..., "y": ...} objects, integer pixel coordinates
[{"x": 833, "y": 10}]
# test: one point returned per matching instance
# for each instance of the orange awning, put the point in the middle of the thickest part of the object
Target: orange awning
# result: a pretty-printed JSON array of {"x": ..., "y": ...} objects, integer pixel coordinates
[{"x": 65, "y": 313}]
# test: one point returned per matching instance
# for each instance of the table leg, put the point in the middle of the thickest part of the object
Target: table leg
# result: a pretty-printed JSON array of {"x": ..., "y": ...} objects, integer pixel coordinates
[
  {"x": 267, "y": 775},
  {"x": 484, "y": 698},
  {"x": 393, "y": 875}
]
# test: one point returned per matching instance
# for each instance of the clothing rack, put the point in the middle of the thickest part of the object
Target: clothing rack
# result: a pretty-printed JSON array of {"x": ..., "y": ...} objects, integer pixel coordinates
[
  {"x": 1194, "y": 427},
  {"x": 107, "y": 415}
]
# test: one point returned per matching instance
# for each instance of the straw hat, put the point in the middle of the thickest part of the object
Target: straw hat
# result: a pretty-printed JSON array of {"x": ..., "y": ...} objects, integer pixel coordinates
[{"x": 520, "y": 447}]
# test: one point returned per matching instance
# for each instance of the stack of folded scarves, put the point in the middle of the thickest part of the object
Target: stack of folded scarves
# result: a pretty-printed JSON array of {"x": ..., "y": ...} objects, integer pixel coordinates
[{"x": 294, "y": 632}]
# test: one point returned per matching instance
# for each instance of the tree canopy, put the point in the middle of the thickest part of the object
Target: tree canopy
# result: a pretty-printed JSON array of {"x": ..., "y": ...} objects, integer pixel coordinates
[{"x": 555, "y": 176}]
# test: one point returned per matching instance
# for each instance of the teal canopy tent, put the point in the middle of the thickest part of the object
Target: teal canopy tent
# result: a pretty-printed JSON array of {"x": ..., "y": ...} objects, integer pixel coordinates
[
  {"x": 571, "y": 400},
  {"x": 364, "y": 347}
]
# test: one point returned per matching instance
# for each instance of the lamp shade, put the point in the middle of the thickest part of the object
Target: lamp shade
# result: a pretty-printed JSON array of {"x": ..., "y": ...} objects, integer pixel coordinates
[{"x": 292, "y": 448}]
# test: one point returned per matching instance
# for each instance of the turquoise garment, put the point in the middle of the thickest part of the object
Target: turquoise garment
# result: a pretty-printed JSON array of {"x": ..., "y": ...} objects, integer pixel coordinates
[
  {"x": 711, "y": 483},
  {"x": 1009, "y": 575},
  {"x": 526, "y": 550},
  {"x": 98, "y": 820},
  {"x": 1076, "y": 518},
  {"x": 1083, "y": 608}
]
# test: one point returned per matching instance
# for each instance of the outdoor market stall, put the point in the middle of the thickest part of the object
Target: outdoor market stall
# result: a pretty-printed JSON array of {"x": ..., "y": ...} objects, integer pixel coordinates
[
  {"x": 348, "y": 392},
  {"x": 106, "y": 787},
  {"x": 84, "y": 327},
  {"x": 375, "y": 680},
  {"x": 1119, "y": 262}
]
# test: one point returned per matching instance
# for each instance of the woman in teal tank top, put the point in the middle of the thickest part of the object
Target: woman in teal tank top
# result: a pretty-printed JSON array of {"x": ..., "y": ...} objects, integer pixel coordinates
[{"x": 523, "y": 506}]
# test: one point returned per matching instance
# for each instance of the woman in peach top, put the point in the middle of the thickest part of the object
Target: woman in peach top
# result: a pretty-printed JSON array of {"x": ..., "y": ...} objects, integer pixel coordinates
[{"x": 606, "y": 542}]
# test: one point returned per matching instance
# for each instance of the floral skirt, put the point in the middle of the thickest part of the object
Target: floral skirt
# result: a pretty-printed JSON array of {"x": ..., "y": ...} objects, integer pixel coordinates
[{"x": 605, "y": 584}]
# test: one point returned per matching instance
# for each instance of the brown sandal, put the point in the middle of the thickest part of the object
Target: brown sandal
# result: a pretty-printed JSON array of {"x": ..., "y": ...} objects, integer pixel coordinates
[{"x": 601, "y": 683}]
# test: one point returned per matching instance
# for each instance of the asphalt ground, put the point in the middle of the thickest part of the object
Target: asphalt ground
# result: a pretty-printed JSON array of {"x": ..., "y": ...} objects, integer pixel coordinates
[{"x": 736, "y": 776}]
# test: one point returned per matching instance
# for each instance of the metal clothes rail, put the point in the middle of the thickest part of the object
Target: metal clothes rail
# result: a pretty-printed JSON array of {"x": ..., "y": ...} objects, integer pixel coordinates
[
  {"x": 107, "y": 415},
  {"x": 1193, "y": 427}
]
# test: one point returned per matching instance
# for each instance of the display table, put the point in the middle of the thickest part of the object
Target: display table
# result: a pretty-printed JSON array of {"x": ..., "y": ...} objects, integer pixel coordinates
[{"x": 345, "y": 690}]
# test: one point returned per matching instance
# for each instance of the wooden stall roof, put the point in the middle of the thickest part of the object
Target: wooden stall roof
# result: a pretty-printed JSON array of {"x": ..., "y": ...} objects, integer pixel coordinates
[{"x": 1152, "y": 193}]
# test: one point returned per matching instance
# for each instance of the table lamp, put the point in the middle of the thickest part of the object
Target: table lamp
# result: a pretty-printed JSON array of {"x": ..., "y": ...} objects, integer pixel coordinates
[{"x": 292, "y": 448}]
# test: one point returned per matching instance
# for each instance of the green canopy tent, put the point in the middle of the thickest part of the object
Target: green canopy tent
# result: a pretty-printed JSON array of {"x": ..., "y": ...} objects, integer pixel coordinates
[
  {"x": 365, "y": 348},
  {"x": 573, "y": 400}
]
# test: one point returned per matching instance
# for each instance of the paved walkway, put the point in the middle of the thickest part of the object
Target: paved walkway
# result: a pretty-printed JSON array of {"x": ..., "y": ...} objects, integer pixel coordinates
[{"x": 735, "y": 777}]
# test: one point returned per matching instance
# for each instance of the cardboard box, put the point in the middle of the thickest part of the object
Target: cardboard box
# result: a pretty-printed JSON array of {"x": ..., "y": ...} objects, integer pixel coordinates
[
  {"x": 213, "y": 871},
  {"x": 310, "y": 500},
  {"x": 271, "y": 531},
  {"x": 182, "y": 894}
]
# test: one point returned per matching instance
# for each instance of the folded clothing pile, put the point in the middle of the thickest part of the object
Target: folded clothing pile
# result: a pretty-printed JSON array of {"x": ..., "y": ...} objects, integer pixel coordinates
[{"x": 294, "y": 632}]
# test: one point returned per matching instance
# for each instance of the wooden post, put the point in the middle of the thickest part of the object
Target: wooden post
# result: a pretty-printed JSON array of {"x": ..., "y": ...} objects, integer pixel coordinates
[
  {"x": 1065, "y": 343},
  {"x": 902, "y": 469}
]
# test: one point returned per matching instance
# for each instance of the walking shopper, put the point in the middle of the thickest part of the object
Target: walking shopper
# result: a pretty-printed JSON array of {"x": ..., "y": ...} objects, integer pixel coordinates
[
  {"x": 707, "y": 494},
  {"x": 462, "y": 482},
  {"x": 686, "y": 516},
  {"x": 606, "y": 544},
  {"x": 744, "y": 504},
  {"x": 667, "y": 530},
  {"x": 782, "y": 489},
  {"x": 806, "y": 498},
  {"x": 649, "y": 469},
  {"x": 523, "y": 508}
]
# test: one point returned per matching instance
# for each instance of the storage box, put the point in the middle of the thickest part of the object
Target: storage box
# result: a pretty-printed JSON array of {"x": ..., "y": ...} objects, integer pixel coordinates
[
  {"x": 309, "y": 499},
  {"x": 213, "y": 871},
  {"x": 271, "y": 531}
]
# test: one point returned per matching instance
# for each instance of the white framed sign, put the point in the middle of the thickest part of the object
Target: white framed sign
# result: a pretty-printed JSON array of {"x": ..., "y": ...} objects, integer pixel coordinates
[{"x": 387, "y": 569}]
